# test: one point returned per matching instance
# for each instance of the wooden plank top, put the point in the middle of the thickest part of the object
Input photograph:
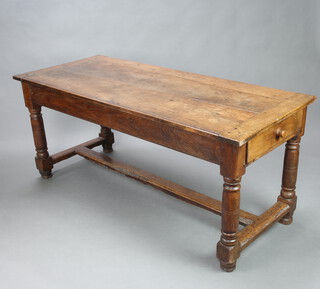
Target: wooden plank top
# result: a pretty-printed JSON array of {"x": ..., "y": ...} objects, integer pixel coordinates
[{"x": 231, "y": 110}]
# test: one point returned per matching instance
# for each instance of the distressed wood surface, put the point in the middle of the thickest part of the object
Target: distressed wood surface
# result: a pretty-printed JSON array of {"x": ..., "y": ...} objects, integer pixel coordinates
[
  {"x": 203, "y": 146},
  {"x": 202, "y": 104},
  {"x": 250, "y": 233},
  {"x": 275, "y": 135}
]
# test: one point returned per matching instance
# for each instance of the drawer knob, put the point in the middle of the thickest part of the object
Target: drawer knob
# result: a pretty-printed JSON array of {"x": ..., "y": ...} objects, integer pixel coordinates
[{"x": 280, "y": 133}]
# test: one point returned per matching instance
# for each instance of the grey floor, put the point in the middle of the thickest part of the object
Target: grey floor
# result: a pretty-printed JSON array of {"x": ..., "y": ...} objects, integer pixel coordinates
[{"x": 89, "y": 227}]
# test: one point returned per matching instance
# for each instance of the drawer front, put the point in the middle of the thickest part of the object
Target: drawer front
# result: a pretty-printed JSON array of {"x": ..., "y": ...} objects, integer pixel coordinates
[{"x": 275, "y": 135}]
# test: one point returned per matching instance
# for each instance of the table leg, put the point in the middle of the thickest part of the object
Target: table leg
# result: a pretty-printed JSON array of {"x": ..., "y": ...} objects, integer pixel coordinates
[
  {"x": 107, "y": 134},
  {"x": 289, "y": 178},
  {"x": 43, "y": 160},
  {"x": 228, "y": 248},
  {"x": 232, "y": 168}
]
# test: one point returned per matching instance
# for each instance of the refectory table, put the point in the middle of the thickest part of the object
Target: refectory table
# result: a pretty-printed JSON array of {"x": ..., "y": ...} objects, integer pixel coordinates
[{"x": 228, "y": 123}]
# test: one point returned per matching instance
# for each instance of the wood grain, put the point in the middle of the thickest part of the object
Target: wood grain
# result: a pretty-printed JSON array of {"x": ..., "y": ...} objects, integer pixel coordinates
[
  {"x": 289, "y": 178},
  {"x": 250, "y": 233},
  {"x": 232, "y": 110},
  {"x": 269, "y": 138},
  {"x": 202, "y": 146},
  {"x": 68, "y": 153}
]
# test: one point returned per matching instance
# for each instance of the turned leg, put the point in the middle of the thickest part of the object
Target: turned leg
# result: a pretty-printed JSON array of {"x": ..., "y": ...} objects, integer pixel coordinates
[
  {"x": 228, "y": 248},
  {"x": 289, "y": 178},
  {"x": 232, "y": 168},
  {"x": 108, "y": 136},
  {"x": 43, "y": 160}
]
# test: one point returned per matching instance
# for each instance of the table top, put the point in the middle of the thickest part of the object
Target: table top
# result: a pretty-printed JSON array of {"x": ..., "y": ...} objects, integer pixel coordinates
[{"x": 232, "y": 110}]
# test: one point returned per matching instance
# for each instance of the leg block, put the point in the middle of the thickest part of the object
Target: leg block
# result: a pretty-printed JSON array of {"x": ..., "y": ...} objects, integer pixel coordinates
[
  {"x": 45, "y": 167},
  {"x": 228, "y": 256}
]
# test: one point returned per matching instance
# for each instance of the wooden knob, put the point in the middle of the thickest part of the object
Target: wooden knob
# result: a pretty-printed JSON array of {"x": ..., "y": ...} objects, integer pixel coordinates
[{"x": 280, "y": 133}]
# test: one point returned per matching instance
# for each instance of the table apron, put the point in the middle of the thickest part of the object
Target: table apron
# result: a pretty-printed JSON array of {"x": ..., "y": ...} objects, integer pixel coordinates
[{"x": 155, "y": 131}]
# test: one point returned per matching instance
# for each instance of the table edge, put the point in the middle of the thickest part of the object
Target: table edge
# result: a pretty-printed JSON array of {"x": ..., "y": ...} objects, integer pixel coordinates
[{"x": 232, "y": 136}]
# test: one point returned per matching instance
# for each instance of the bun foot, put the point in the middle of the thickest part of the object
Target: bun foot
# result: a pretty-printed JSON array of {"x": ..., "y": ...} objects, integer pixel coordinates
[
  {"x": 286, "y": 221},
  {"x": 228, "y": 267},
  {"x": 46, "y": 175},
  {"x": 108, "y": 150}
]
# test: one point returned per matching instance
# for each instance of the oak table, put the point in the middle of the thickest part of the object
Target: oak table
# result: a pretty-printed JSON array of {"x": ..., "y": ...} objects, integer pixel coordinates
[{"x": 228, "y": 123}]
